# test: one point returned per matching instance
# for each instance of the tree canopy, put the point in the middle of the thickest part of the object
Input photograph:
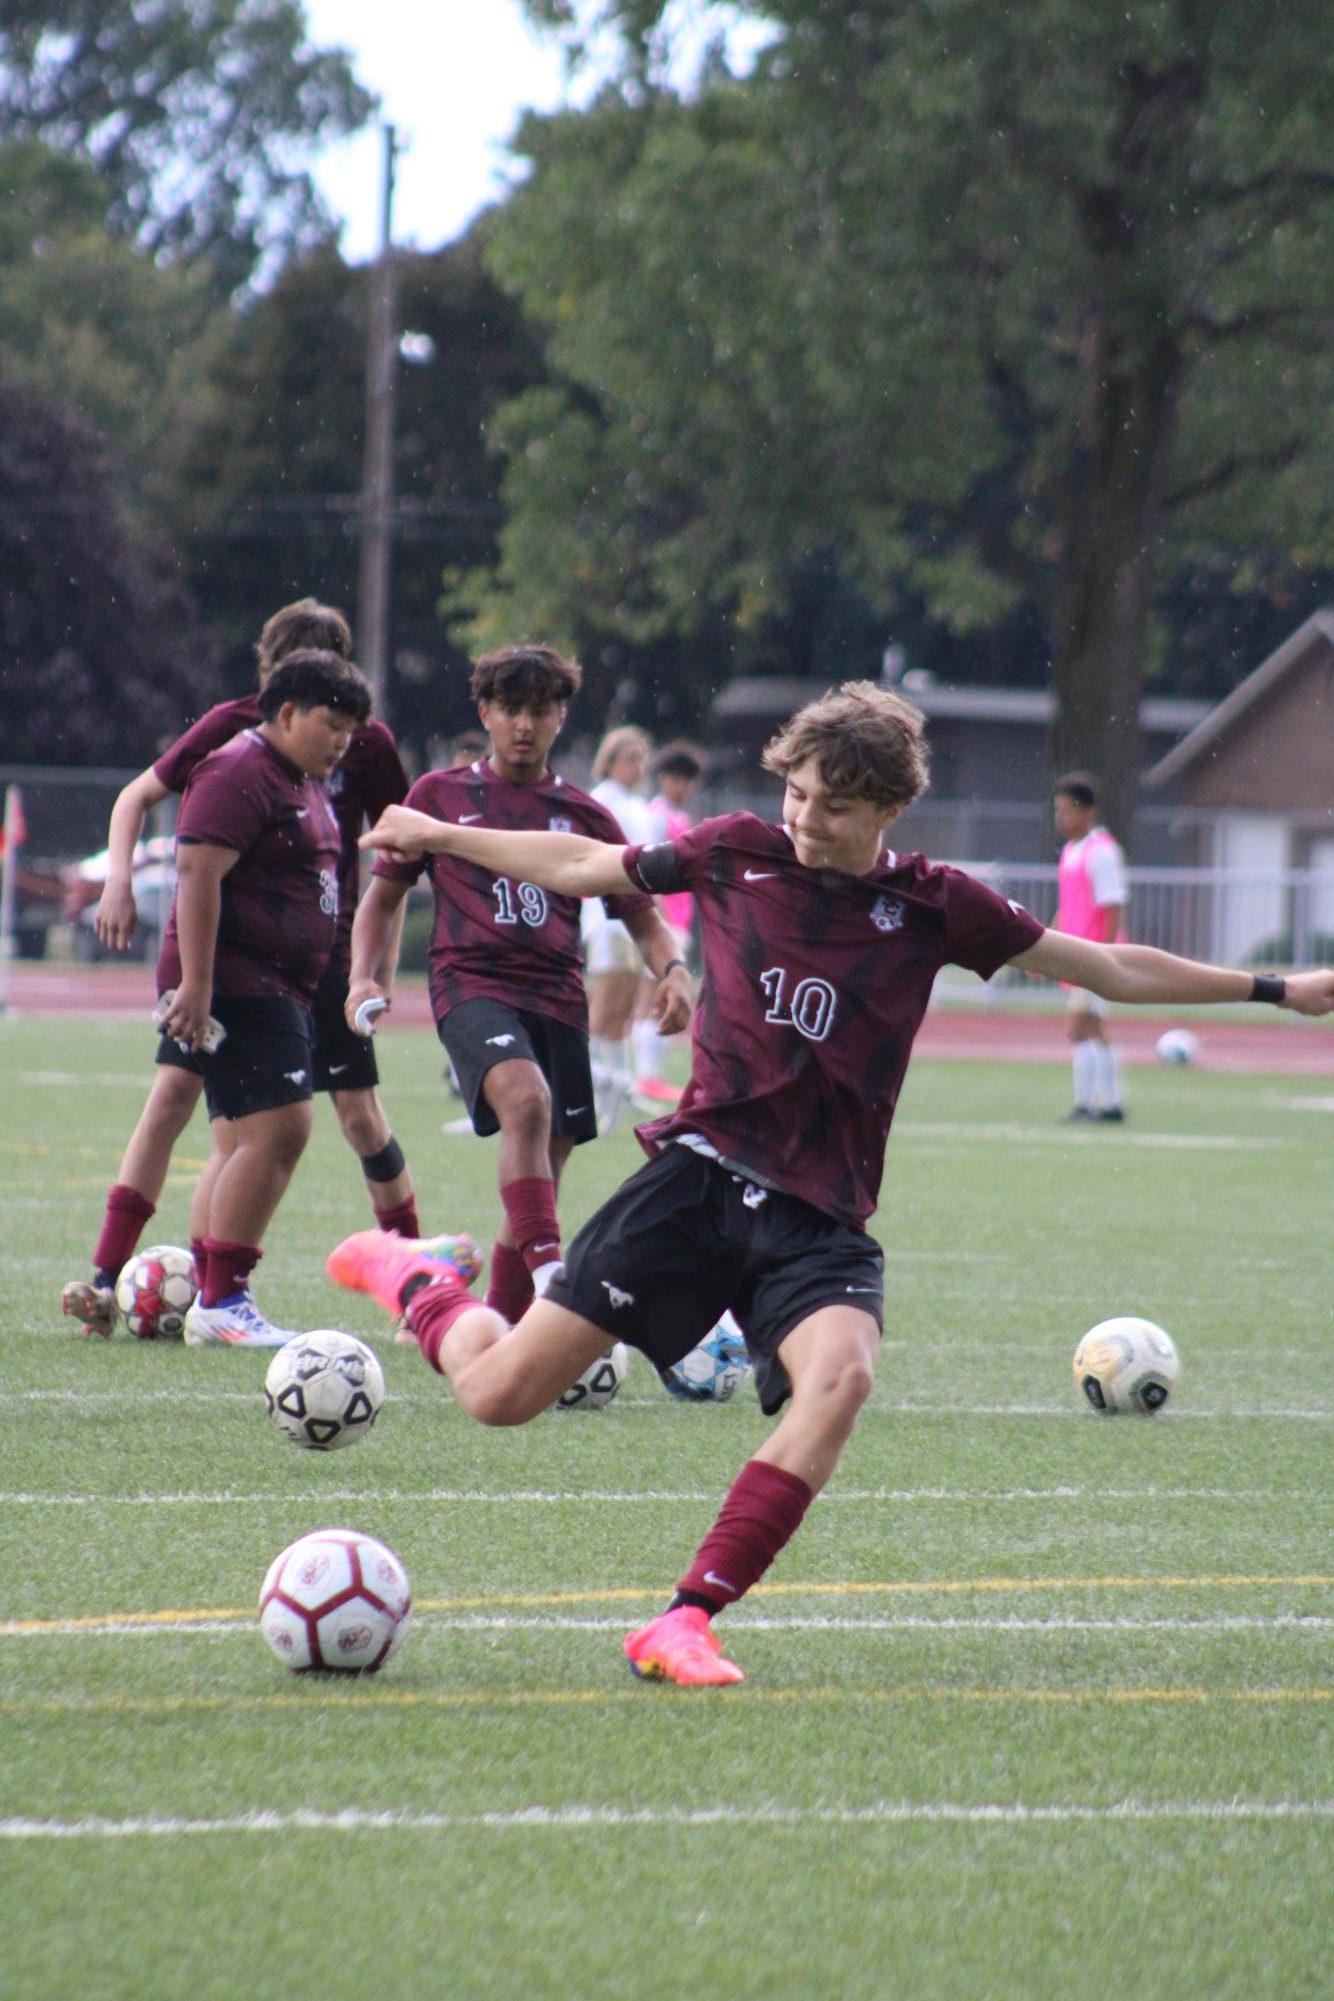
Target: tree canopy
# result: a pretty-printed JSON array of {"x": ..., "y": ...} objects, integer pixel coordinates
[
  {"x": 198, "y": 114},
  {"x": 1005, "y": 307}
]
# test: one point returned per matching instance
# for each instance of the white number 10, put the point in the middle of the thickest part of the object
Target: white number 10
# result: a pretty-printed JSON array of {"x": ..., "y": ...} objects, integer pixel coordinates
[{"x": 811, "y": 1008}]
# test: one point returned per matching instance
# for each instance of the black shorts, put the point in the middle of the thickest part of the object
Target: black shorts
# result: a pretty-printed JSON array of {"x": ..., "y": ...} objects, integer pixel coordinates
[
  {"x": 478, "y": 1034},
  {"x": 265, "y": 1059},
  {"x": 686, "y": 1237},
  {"x": 344, "y": 1060}
]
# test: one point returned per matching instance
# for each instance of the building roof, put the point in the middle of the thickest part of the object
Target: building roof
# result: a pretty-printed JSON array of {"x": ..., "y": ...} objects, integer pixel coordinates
[
  {"x": 778, "y": 695},
  {"x": 1292, "y": 656}
]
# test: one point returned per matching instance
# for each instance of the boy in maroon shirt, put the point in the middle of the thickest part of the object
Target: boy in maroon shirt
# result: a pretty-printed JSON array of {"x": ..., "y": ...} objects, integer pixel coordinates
[
  {"x": 820, "y": 947},
  {"x": 506, "y": 958},
  {"x": 252, "y": 926},
  {"x": 369, "y": 778}
]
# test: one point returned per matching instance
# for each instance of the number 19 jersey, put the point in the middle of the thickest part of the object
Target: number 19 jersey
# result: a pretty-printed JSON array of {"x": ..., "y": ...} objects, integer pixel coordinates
[{"x": 495, "y": 937}]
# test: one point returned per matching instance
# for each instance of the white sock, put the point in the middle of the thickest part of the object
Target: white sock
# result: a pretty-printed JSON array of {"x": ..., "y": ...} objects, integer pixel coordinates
[
  {"x": 543, "y": 1275},
  {"x": 1084, "y": 1063},
  {"x": 648, "y": 1048},
  {"x": 1106, "y": 1076}
]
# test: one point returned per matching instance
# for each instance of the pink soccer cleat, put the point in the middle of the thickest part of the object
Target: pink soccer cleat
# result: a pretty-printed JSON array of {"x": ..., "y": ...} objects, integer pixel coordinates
[
  {"x": 681, "y": 1646},
  {"x": 377, "y": 1262}
]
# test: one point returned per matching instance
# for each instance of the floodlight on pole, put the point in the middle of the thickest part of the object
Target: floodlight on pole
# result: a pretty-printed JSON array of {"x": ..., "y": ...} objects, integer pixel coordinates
[{"x": 377, "y": 477}]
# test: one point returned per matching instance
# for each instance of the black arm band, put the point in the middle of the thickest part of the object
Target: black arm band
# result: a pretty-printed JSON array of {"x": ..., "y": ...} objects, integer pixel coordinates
[
  {"x": 685, "y": 968},
  {"x": 1266, "y": 987}
]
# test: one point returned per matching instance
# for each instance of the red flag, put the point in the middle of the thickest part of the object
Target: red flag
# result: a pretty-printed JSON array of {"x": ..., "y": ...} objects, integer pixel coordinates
[{"x": 14, "y": 832}]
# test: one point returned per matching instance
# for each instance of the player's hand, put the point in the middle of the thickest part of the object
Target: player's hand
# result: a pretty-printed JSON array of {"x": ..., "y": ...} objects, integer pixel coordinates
[
  {"x": 116, "y": 915},
  {"x": 359, "y": 991},
  {"x": 186, "y": 1020},
  {"x": 674, "y": 1001},
  {"x": 401, "y": 833},
  {"x": 1310, "y": 993}
]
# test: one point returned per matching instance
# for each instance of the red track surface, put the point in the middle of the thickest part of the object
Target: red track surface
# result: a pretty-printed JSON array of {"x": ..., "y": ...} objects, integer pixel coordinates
[{"x": 1278, "y": 1043}]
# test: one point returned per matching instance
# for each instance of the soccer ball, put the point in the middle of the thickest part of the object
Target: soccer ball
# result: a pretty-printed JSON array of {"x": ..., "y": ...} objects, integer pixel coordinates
[
  {"x": 155, "y": 1291},
  {"x": 1126, "y": 1364},
  {"x": 714, "y": 1371},
  {"x": 336, "y": 1601},
  {"x": 1177, "y": 1046},
  {"x": 324, "y": 1389},
  {"x": 599, "y": 1383}
]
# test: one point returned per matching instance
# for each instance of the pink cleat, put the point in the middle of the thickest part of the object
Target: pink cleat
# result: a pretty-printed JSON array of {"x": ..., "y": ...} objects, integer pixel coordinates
[
  {"x": 681, "y": 1646},
  {"x": 377, "y": 1262}
]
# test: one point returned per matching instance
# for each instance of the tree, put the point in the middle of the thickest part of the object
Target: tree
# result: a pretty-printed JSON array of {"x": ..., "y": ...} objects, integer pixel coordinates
[
  {"x": 100, "y": 650},
  {"x": 198, "y": 114},
  {"x": 267, "y": 502},
  {"x": 1009, "y": 307}
]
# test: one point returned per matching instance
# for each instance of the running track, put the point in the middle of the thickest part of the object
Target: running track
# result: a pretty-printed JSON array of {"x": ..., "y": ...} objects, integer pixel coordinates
[{"x": 1282, "y": 1044}]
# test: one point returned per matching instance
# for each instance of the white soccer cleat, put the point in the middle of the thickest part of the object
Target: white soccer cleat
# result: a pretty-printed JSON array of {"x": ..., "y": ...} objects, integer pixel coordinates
[{"x": 238, "y": 1324}]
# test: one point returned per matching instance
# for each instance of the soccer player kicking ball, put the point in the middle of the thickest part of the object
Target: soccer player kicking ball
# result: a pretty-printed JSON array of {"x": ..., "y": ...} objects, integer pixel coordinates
[{"x": 820, "y": 948}]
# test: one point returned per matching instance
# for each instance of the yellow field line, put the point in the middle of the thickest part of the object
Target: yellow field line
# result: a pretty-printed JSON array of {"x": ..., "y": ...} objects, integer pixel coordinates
[
  {"x": 317, "y": 1695},
  {"x": 948, "y": 1586}
]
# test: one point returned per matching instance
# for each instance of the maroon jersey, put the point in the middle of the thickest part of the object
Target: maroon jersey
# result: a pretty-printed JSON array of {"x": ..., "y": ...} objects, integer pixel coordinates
[
  {"x": 280, "y": 898},
  {"x": 369, "y": 778},
  {"x": 815, "y": 984},
  {"x": 495, "y": 937}
]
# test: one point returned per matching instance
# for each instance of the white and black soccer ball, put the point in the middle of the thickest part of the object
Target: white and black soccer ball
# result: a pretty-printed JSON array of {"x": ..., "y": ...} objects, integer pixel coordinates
[
  {"x": 324, "y": 1390},
  {"x": 336, "y": 1602},
  {"x": 714, "y": 1371},
  {"x": 1176, "y": 1047},
  {"x": 599, "y": 1383},
  {"x": 1126, "y": 1364},
  {"x": 156, "y": 1290}
]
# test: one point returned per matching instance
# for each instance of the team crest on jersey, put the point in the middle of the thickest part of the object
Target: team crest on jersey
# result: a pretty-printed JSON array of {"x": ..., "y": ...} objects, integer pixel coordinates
[
  {"x": 333, "y": 784},
  {"x": 888, "y": 913},
  {"x": 559, "y": 825}
]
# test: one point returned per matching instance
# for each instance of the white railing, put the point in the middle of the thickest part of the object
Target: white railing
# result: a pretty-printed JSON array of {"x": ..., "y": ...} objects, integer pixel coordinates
[{"x": 1231, "y": 917}]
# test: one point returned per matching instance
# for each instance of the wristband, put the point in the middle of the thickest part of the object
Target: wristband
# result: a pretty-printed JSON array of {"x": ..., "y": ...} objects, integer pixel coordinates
[
  {"x": 685, "y": 968},
  {"x": 1266, "y": 987}
]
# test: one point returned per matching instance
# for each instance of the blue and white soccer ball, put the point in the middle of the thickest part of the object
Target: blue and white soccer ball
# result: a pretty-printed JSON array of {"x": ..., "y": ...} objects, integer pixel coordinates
[
  {"x": 713, "y": 1372},
  {"x": 1177, "y": 1047}
]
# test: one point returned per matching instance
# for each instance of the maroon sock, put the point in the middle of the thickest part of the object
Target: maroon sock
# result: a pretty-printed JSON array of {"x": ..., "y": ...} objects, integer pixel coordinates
[
  {"x": 199, "y": 1252},
  {"x": 433, "y": 1311},
  {"x": 762, "y": 1512},
  {"x": 227, "y": 1269},
  {"x": 401, "y": 1219},
  {"x": 122, "y": 1226},
  {"x": 510, "y": 1288},
  {"x": 530, "y": 1211}
]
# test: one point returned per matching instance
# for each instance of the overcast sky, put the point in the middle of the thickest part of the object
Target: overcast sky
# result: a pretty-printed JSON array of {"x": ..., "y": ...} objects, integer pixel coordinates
[{"x": 454, "y": 77}]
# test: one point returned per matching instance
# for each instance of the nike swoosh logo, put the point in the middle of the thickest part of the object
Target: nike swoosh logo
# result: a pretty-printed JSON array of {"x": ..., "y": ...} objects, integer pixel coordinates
[
  {"x": 861, "y": 1288},
  {"x": 712, "y": 1577},
  {"x": 545, "y": 1247},
  {"x": 303, "y": 813},
  {"x": 760, "y": 875},
  {"x": 465, "y": 819},
  {"x": 573, "y": 1111},
  {"x": 337, "y": 1069}
]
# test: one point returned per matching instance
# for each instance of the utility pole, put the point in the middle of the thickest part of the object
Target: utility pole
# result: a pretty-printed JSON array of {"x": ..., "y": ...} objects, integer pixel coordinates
[{"x": 377, "y": 472}]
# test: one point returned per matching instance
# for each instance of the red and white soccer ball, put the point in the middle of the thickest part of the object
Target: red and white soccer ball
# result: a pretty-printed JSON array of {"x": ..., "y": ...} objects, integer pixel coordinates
[
  {"x": 155, "y": 1291},
  {"x": 336, "y": 1602}
]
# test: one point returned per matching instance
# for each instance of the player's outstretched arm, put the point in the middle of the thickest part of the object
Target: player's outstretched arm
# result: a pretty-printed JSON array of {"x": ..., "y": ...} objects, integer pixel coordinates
[
  {"x": 1142, "y": 975},
  {"x": 117, "y": 914},
  {"x": 569, "y": 864}
]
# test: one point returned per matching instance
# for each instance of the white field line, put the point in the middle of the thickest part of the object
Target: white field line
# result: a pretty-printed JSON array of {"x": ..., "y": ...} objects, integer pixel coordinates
[
  {"x": 1283, "y": 1625},
  {"x": 1179, "y": 1414},
  {"x": 602, "y": 1497},
  {"x": 574, "y": 1819},
  {"x": 1010, "y": 1133}
]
